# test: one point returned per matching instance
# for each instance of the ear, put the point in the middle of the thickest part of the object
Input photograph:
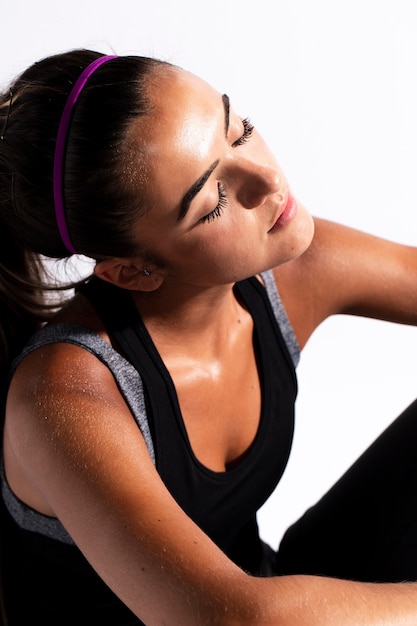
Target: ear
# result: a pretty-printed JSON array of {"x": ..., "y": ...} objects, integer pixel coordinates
[{"x": 129, "y": 274}]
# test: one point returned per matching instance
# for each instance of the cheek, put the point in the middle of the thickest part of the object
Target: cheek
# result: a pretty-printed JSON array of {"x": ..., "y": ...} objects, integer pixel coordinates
[
  {"x": 206, "y": 247},
  {"x": 228, "y": 255},
  {"x": 212, "y": 257},
  {"x": 230, "y": 239}
]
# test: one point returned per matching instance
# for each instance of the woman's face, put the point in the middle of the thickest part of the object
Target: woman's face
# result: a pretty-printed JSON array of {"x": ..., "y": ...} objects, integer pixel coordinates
[{"x": 221, "y": 208}]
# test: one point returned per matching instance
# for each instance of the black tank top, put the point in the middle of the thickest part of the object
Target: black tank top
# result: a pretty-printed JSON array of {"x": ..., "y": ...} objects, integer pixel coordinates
[
  {"x": 223, "y": 504},
  {"x": 51, "y": 582}
]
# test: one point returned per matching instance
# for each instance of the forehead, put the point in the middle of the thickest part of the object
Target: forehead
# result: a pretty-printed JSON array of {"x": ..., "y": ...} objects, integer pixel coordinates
[
  {"x": 179, "y": 100},
  {"x": 175, "y": 140}
]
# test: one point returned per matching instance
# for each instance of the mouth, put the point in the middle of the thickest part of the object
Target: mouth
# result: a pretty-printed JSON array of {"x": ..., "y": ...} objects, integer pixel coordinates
[{"x": 286, "y": 214}]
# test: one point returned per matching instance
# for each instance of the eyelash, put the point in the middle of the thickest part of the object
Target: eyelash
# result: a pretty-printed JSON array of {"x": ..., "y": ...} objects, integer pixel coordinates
[
  {"x": 248, "y": 129},
  {"x": 218, "y": 209}
]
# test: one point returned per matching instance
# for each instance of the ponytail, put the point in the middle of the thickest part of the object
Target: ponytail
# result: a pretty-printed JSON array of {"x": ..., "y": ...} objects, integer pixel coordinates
[
  {"x": 101, "y": 202},
  {"x": 23, "y": 307}
]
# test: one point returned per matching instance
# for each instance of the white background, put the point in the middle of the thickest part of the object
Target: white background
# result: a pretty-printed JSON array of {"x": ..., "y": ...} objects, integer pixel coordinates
[{"x": 331, "y": 85}]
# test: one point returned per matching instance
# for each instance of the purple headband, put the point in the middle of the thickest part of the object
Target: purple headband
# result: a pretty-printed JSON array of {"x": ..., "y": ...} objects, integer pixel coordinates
[{"x": 61, "y": 142}]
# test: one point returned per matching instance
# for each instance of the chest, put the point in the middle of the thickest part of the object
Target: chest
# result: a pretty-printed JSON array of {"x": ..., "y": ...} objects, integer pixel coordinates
[
  {"x": 220, "y": 403},
  {"x": 223, "y": 430}
]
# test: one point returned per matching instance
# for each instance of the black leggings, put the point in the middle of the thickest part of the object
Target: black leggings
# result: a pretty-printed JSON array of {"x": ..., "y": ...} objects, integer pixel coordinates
[{"x": 365, "y": 527}]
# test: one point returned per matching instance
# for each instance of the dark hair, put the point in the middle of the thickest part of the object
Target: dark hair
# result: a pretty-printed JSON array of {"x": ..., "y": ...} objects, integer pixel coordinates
[{"x": 100, "y": 200}]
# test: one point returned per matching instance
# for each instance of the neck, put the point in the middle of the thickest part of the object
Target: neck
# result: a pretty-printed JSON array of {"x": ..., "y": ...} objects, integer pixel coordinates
[{"x": 183, "y": 316}]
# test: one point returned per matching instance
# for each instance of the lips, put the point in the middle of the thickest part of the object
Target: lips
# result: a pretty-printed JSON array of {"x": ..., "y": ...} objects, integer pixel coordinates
[{"x": 286, "y": 214}]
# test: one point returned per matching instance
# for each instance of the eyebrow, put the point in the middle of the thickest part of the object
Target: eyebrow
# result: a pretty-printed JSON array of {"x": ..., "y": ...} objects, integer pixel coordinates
[
  {"x": 226, "y": 104},
  {"x": 199, "y": 184}
]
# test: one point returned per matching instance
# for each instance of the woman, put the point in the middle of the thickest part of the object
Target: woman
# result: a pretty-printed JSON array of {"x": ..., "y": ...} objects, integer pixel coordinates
[{"x": 152, "y": 415}]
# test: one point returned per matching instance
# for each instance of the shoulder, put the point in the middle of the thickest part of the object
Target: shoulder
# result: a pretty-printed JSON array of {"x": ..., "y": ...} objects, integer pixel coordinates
[
  {"x": 68, "y": 369},
  {"x": 74, "y": 344},
  {"x": 346, "y": 271},
  {"x": 56, "y": 384}
]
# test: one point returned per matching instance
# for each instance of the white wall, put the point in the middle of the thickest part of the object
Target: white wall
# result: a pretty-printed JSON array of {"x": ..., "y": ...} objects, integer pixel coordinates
[{"x": 331, "y": 85}]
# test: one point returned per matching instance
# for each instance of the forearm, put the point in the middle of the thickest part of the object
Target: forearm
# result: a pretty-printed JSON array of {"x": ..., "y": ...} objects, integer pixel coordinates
[
  {"x": 316, "y": 601},
  {"x": 304, "y": 601}
]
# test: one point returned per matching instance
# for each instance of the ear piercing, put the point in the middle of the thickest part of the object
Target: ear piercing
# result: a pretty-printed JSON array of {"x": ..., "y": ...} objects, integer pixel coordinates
[{"x": 146, "y": 272}]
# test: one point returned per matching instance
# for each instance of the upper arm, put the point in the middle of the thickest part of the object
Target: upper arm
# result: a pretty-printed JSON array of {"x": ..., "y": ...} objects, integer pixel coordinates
[
  {"x": 348, "y": 271},
  {"x": 83, "y": 452}
]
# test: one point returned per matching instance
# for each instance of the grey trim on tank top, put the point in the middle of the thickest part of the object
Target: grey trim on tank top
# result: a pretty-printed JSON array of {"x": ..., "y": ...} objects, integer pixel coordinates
[
  {"x": 130, "y": 385},
  {"x": 281, "y": 317}
]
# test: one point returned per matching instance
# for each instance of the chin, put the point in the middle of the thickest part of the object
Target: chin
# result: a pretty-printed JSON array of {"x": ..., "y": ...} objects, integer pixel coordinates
[
  {"x": 298, "y": 237},
  {"x": 305, "y": 228}
]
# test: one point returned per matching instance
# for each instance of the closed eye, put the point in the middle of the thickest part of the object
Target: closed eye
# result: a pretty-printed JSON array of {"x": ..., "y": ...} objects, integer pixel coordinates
[
  {"x": 248, "y": 129},
  {"x": 218, "y": 209}
]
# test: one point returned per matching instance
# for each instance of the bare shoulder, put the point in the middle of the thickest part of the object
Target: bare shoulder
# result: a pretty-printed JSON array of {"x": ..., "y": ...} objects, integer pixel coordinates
[
  {"x": 63, "y": 406},
  {"x": 348, "y": 271},
  {"x": 62, "y": 369},
  {"x": 57, "y": 393},
  {"x": 59, "y": 369}
]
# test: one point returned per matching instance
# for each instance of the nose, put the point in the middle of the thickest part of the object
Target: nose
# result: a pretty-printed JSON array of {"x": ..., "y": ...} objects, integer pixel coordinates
[{"x": 255, "y": 182}]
